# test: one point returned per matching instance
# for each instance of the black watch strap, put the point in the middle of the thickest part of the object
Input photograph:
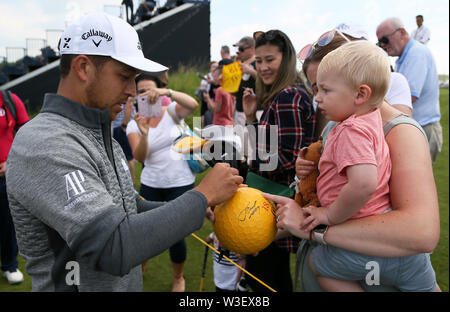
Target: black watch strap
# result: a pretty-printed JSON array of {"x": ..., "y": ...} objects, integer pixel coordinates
[
  {"x": 319, "y": 233},
  {"x": 320, "y": 228}
]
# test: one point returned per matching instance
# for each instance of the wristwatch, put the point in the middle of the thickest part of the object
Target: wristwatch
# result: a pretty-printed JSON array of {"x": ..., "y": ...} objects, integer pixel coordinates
[
  {"x": 170, "y": 93},
  {"x": 319, "y": 233}
]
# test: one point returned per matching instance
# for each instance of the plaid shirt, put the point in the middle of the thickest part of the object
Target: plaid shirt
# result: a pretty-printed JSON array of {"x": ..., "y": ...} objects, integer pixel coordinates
[{"x": 293, "y": 113}]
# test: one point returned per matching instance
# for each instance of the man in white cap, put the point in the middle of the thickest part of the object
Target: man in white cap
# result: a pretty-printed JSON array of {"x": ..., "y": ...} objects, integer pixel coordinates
[{"x": 80, "y": 224}]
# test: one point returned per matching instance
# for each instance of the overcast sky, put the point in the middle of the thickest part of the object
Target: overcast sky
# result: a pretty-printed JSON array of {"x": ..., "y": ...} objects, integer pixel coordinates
[{"x": 303, "y": 21}]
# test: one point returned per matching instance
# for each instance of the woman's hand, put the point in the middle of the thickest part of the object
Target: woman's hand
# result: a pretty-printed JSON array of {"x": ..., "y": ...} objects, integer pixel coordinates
[
  {"x": 249, "y": 104},
  {"x": 289, "y": 215},
  {"x": 142, "y": 123},
  {"x": 153, "y": 95},
  {"x": 303, "y": 167}
]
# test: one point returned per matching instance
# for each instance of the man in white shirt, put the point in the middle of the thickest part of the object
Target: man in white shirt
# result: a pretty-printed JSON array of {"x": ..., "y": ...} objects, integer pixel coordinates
[{"x": 422, "y": 33}]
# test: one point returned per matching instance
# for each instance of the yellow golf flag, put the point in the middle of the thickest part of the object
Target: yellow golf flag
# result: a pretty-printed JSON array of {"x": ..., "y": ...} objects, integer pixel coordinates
[{"x": 231, "y": 77}]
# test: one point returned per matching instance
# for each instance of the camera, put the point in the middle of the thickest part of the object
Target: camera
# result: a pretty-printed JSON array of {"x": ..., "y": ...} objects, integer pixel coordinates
[
  {"x": 201, "y": 76},
  {"x": 199, "y": 93}
]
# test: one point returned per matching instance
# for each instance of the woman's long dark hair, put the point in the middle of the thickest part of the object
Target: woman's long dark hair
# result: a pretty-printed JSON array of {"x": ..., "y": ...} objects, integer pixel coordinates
[{"x": 287, "y": 73}]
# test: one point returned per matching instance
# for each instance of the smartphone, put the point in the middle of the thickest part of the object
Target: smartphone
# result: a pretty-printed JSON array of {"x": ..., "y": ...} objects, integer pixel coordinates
[
  {"x": 146, "y": 109},
  {"x": 143, "y": 105},
  {"x": 156, "y": 109}
]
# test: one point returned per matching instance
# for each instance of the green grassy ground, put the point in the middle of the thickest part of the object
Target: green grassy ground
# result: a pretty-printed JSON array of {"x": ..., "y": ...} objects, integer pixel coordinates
[
  {"x": 159, "y": 270},
  {"x": 440, "y": 255}
]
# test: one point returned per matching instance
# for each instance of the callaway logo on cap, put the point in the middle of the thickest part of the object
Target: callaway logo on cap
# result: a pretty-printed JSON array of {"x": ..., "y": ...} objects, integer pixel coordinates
[{"x": 107, "y": 35}]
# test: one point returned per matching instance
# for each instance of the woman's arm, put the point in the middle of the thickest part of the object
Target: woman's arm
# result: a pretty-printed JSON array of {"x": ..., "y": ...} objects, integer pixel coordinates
[
  {"x": 139, "y": 141},
  {"x": 138, "y": 144},
  {"x": 413, "y": 226},
  {"x": 186, "y": 104}
]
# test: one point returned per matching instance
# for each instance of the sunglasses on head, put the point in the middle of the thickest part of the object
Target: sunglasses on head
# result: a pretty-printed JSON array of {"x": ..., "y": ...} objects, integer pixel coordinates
[
  {"x": 323, "y": 40},
  {"x": 268, "y": 35},
  {"x": 385, "y": 39}
]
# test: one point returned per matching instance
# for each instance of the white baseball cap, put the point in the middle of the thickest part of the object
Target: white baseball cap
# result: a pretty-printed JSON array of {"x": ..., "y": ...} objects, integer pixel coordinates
[
  {"x": 353, "y": 30},
  {"x": 107, "y": 35}
]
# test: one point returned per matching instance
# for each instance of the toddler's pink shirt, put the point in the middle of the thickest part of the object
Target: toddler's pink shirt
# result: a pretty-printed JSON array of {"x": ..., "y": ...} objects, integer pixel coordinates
[{"x": 356, "y": 140}]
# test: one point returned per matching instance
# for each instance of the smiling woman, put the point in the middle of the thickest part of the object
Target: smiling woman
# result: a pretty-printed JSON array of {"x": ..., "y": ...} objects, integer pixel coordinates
[{"x": 288, "y": 109}]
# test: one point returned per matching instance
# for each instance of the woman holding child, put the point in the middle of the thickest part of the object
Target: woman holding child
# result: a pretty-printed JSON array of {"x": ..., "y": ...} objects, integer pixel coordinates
[
  {"x": 288, "y": 107},
  {"x": 412, "y": 195}
]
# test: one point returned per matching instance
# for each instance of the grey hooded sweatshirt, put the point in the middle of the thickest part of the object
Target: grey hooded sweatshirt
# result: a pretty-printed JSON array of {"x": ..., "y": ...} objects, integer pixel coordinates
[{"x": 80, "y": 224}]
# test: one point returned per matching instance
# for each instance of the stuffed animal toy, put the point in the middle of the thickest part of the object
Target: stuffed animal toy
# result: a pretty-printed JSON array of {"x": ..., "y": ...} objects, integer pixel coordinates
[{"x": 306, "y": 194}]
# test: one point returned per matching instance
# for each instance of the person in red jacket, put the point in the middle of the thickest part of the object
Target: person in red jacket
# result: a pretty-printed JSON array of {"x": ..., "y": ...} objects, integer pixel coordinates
[{"x": 8, "y": 244}]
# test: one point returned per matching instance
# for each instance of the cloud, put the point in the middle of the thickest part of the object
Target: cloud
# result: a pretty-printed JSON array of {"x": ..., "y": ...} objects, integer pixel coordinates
[
  {"x": 27, "y": 21},
  {"x": 24, "y": 27},
  {"x": 30, "y": 19},
  {"x": 293, "y": 17},
  {"x": 304, "y": 21}
]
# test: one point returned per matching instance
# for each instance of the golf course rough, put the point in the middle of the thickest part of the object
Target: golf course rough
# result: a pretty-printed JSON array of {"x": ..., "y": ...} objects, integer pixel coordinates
[{"x": 246, "y": 222}]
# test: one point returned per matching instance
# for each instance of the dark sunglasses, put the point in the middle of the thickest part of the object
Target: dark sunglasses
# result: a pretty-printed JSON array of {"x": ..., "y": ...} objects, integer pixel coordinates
[
  {"x": 242, "y": 49},
  {"x": 385, "y": 39},
  {"x": 323, "y": 40}
]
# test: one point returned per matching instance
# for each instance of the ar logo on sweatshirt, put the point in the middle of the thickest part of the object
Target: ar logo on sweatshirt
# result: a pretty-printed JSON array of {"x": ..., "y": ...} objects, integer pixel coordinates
[{"x": 74, "y": 185}]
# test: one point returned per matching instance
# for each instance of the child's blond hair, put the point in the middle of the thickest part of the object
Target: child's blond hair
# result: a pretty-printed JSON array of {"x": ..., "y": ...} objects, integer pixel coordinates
[{"x": 361, "y": 62}]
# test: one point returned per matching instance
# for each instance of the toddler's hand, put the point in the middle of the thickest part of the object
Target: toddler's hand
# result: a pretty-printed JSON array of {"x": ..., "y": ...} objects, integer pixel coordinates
[
  {"x": 303, "y": 167},
  {"x": 315, "y": 216}
]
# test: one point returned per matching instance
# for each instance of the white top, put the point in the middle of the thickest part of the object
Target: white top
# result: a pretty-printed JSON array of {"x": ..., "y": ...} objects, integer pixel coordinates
[
  {"x": 226, "y": 274},
  {"x": 399, "y": 91},
  {"x": 164, "y": 168},
  {"x": 421, "y": 34}
]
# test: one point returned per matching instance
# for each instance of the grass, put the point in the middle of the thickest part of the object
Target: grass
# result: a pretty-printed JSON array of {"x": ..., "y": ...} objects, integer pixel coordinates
[
  {"x": 440, "y": 256},
  {"x": 159, "y": 270}
]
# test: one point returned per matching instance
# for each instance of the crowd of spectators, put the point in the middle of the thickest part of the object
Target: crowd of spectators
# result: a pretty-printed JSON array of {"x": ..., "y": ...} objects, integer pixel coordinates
[{"x": 353, "y": 102}]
